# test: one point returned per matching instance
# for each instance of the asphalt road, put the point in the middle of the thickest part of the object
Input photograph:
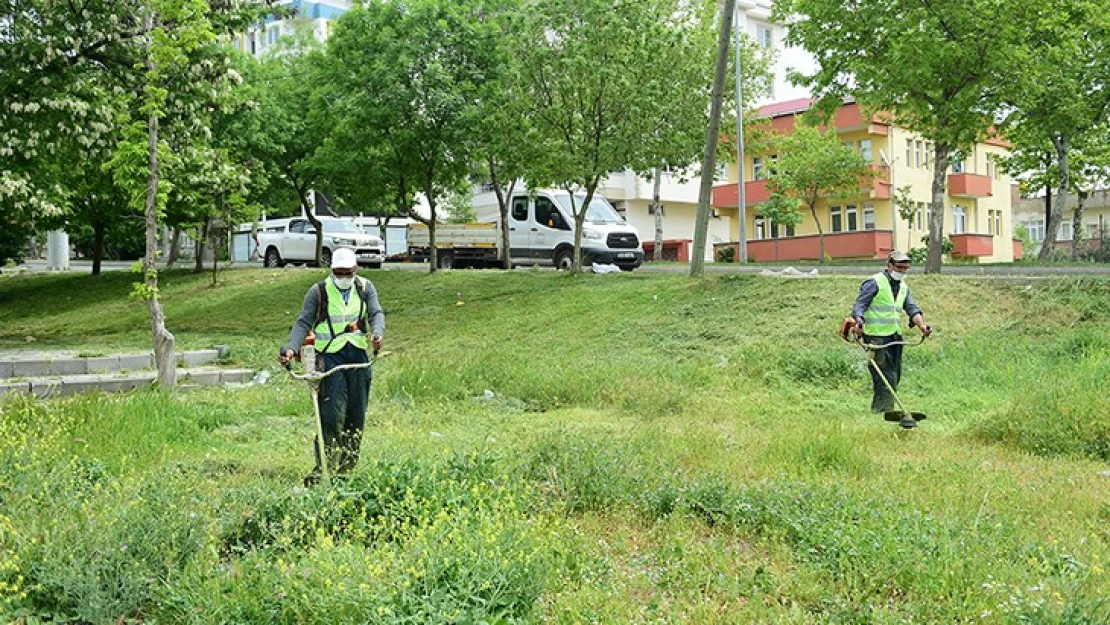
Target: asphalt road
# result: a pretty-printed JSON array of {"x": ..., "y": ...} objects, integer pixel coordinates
[{"x": 1009, "y": 271}]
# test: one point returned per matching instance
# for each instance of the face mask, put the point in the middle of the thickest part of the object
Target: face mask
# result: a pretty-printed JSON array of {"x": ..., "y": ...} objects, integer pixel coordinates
[
  {"x": 343, "y": 283},
  {"x": 897, "y": 275}
]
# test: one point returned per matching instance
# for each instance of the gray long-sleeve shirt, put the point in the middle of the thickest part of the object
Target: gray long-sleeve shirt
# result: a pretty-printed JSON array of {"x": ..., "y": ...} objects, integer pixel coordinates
[
  {"x": 869, "y": 289},
  {"x": 307, "y": 318}
]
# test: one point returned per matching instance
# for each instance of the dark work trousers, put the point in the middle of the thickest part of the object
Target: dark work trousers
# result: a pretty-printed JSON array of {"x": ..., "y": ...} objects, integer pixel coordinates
[
  {"x": 890, "y": 362},
  {"x": 343, "y": 398}
]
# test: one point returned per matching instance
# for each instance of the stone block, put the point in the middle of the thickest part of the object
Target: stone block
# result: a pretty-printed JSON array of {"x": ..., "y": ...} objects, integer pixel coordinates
[
  {"x": 14, "y": 387},
  {"x": 198, "y": 357},
  {"x": 135, "y": 362},
  {"x": 68, "y": 366},
  {"x": 236, "y": 376},
  {"x": 30, "y": 368},
  {"x": 46, "y": 387},
  {"x": 201, "y": 376},
  {"x": 100, "y": 364}
]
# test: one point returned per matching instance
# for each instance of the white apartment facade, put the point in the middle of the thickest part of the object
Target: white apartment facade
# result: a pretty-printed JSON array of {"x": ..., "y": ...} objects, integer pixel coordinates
[
  {"x": 632, "y": 194},
  {"x": 321, "y": 14}
]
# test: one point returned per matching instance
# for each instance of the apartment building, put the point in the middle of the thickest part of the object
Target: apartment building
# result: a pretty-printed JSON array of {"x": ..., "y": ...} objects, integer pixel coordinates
[
  {"x": 632, "y": 194},
  {"x": 319, "y": 14},
  {"x": 1094, "y": 222},
  {"x": 978, "y": 215}
]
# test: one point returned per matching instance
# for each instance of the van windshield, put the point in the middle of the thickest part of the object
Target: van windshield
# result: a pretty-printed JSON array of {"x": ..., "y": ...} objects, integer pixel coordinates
[{"x": 599, "y": 211}]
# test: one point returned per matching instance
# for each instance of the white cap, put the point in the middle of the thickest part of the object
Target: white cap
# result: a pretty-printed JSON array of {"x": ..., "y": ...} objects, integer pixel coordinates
[{"x": 343, "y": 258}]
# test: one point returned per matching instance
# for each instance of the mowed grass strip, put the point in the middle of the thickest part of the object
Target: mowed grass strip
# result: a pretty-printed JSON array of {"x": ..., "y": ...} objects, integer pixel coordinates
[{"x": 554, "y": 448}]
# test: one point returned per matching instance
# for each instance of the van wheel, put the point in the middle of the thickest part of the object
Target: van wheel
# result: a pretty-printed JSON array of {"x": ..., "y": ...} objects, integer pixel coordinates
[
  {"x": 325, "y": 257},
  {"x": 564, "y": 259},
  {"x": 445, "y": 259},
  {"x": 273, "y": 258}
]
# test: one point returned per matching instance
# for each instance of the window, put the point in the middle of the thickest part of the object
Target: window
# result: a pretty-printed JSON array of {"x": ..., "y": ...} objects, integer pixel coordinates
[
  {"x": 990, "y": 168},
  {"x": 868, "y": 216},
  {"x": 1064, "y": 232},
  {"x": 520, "y": 208},
  {"x": 920, "y": 215},
  {"x": 835, "y": 224},
  {"x": 928, "y": 154},
  {"x": 957, "y": 163},
  {"x": 548, "y": 215},
  {"x": 928, "y": 214},
  {"x": 909, "y": 153},
  {"x": 272, "y": 34},
  {"x": 850, "y": 217},
  {"x": 865, "y": 149},
  {"x": 298, "y": 225},
  {"x": 1092, "y": 232},
  {"x": 765, "y": 36},
  {"x": 998, "y": 222},
  {"x": 918, "y": 148},
  {"x": 760, "y": 227},
  {"x": 1035, "y": 229},
  {"x": 757, "y": 169},
  {"x": 959, "y": 220}
]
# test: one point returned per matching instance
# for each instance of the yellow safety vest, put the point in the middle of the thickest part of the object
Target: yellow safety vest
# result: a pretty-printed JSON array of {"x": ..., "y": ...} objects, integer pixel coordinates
[
  {"x": 884, "y": 316},
  {"x": 341, "y": 326}
]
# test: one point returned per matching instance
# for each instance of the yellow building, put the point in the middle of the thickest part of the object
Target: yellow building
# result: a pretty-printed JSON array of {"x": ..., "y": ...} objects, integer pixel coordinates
[{"x": 978, "y": 215}]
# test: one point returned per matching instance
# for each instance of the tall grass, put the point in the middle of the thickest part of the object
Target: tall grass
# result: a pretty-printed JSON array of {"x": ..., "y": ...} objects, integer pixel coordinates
[{"x": 571, "y": 449}]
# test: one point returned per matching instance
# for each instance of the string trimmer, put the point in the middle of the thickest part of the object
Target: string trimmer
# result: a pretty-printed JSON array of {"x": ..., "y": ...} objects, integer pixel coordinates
[
  {"x": 314, "y": 378},
  {"x": 903, "y": 417}
]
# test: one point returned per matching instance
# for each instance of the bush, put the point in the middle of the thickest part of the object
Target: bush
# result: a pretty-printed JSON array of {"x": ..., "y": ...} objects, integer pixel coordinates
[{"x": 726, "y": 255}]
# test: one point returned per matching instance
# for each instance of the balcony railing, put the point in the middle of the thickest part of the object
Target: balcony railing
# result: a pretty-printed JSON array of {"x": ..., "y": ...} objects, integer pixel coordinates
[
  {"x": 726, "y": 195},
  {"x": 858, "y": 244},
  {"x": 972, "y": 244},
  {"x": 969, "y": 185}
]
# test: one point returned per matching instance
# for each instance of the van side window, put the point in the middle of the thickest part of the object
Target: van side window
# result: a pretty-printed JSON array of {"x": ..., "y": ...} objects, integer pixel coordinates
[
  {"x": 520, "y": 208},
  {"x": 548, "y": 215}
]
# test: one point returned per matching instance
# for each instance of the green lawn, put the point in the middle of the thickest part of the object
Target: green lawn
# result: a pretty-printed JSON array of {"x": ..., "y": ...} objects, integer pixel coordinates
[{"x": 656, "y": 449}]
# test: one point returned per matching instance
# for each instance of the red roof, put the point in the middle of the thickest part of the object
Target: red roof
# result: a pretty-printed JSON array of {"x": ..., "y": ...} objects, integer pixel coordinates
[{"x": 788, "y": 107}]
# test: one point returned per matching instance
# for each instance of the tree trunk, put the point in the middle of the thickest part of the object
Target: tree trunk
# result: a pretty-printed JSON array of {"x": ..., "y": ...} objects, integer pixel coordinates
[
  {"x": 164, "y": 357},
  {"x": 98, "y": 247},
  {"x": 1052, "y": 225},
  {"x": 201, "y": 245},
  {"x": 657, "y": 209},
  {"x": 709, "y": 159},
  {"x": 935, "y": 251},
  {"x": 213, "y": 244},
  {"x": 820, "y": 230},
  {"x": 503, "y": 200},
  {"x": 1077, "y": 223},
  {"x": 430, "y": 195},
  {"x": 175, "y": 247}
]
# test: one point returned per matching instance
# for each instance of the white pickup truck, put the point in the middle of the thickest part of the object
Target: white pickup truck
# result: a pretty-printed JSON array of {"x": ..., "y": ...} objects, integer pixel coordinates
[
  {"x": 293, "y": 240},
  {"x": 541, "y": 231}
]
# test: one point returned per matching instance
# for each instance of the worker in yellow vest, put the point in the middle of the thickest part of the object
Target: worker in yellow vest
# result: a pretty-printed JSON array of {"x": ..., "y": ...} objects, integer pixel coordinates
[
  {"x": 343, "y": 313},
  {"x": 877, "y": 314}
]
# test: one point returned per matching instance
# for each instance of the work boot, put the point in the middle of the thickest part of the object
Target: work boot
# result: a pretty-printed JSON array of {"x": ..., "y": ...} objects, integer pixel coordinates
[
  {"x": 312, "y": 479},
  {"x": 907, "y": 421}
]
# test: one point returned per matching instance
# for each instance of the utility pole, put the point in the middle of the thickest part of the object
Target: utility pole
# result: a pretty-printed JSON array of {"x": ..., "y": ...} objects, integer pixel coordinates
[
  {"x": 743, "y": 213},
  {"x": 709, "y": 161}
]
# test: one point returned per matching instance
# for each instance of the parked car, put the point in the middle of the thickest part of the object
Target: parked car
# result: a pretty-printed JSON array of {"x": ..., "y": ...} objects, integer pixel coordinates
[{"x": 294, "y": 241}]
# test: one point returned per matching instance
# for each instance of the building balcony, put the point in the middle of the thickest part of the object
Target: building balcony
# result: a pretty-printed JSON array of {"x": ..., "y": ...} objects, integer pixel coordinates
[
  {"x": 969, "y": 185},
  {"x": 972, "y": 244},
  {"x": 726, "y": 195},
  {"x": 860, "y": 244},
  {"x": 880, "y": 183}
]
